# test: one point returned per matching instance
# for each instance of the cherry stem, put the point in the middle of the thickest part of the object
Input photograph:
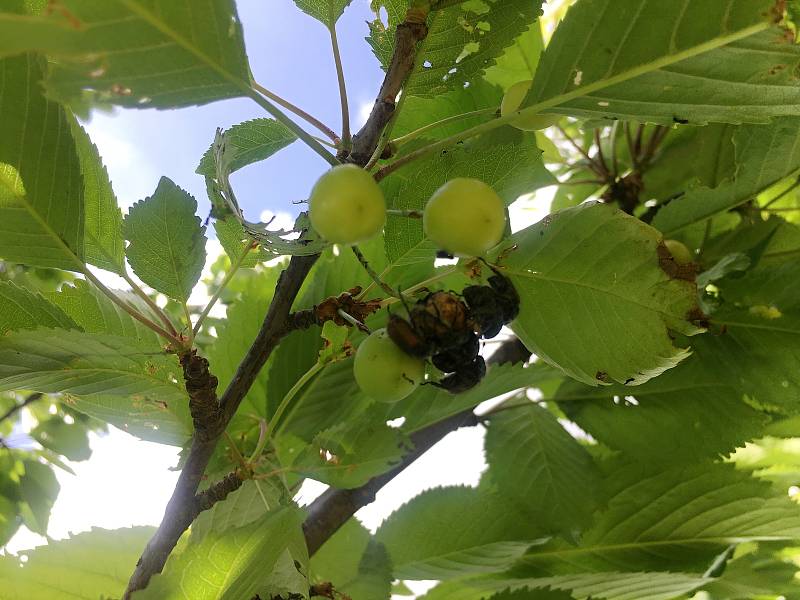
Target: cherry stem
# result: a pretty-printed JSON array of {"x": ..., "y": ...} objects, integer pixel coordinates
[
  {"x": 410, "y": 214},
  {"x": 371, "y": 272}
]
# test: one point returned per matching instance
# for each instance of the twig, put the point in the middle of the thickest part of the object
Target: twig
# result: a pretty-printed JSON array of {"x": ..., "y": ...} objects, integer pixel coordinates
[
  {"x": 337, "y": 59},
  {"x": 128, "y": 309},
  {"x": 149, "y": 301},
  {"x": 18, "y": 407},
  {"x": 614, "y": 160},
  {"x": 407, "y": 35},
  {"x": 298, "y": 111},
  {"x": 600, "y": 158},
  {"x": 287, "y": 399},
  {"x": 333, "y": 508},
  {"x": 592, "y": 162},
  {"x": 399, "y": 212},
  {"x": 375, "y": 277},
  {"x": 294, "y": 127},
  {"x": 228, "y": 276},
  {"x": 182, "y": 508},
  {"x": 399, "y": 141}
]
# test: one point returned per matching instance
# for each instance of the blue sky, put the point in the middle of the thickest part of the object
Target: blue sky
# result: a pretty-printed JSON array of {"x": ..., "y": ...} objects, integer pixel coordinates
[{"x": 290, "y": 54}]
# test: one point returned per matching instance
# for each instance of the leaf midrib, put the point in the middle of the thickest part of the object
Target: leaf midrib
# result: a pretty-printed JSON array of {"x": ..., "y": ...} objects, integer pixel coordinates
[
  {"x": 652, "y": 544},
  {"x": 608, "y": 292},
  {"x": 641, "y": 70}
]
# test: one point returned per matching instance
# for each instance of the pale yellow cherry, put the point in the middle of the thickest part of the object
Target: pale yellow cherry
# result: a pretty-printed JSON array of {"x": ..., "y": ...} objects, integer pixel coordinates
[
  {"x": 465, "y": 217},
  {"x": 347, "y": 206},
  {"x": 383, "y": 371},
  {"x": 513, "y": 100}
]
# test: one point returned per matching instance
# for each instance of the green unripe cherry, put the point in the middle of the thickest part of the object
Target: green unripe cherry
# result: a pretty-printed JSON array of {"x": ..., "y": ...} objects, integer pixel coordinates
[
  {"x": 513, "y": 100},
  {"x": 681, "y": 254},
  {"x": 347, "y": 206},
  {"x": 383, "y": 371},
  {"x": 465, "y": 217}
]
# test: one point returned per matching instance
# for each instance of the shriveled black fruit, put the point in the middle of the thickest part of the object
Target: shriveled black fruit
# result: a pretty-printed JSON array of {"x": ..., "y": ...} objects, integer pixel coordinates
[{"x": 457, "y": 357}]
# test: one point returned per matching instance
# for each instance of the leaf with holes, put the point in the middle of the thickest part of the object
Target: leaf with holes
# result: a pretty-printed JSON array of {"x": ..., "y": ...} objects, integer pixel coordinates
[
  {"x": 764, "y": 154},
  {"x": 150, "y": 53},
  {"x": 684, "y": 62},
  {"x": 463, "y": 40}
]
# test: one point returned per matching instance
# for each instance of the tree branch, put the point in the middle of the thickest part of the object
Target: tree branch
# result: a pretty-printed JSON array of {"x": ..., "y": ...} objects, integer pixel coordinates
[
  {"x": 18, "y": 407},
  {"x": 334, "y": 507},
  {"x": 408, "y": 34},
  {"x": 211, "y": 418}
]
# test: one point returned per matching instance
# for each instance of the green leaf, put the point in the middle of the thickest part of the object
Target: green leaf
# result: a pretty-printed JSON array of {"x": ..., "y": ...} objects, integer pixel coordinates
[
  {"x": 347, "y": 455},
  {"x": 247, "y": 143},
  {"x": 41, "y": 205},
  {"x": 686, "y": 62},
  {"x": 595, "y": 300},
  {"x": 763, "y": 155},
  {"x": 10, "y": 522},
  {"x": 519, "y": 61},
  {"x": 230, "y": 565},
  {"x": 20, "y": 32},
  {"x": 38, "y": 489},
  {"x": 104, "y": 246},
  {"x": 21, "y": 308},
  {"x": 115, "y": 379},
  {"x": 150, "y": 53},
  {"x": 419, "y": 111},
  {"x": 236, "y": 334},
  {"x": 428, "y": 404},
  {"x": 355, "y": 563},
  {"x": 451, "y": 532},
  {"x": 85, "y": 364},
  {"x": 167, "y": 244},
  {"x": 91, "y": 565},
  {"x": 754, "y": 575},
  {"x": 463, "y": 40},
  {"x": 541, "y": 468},
  {"x": 689, "y": 413},
  {"x": 677, "y": 518},
  {"x": 608, "y": 586},
  {"x": 244, "y": 506},
  {"x": 326, "y": 12},
  {"x": 235, "y": 240},
  {"x": 508, "y": 160},
  {"x": 69, "y": 440},
  {"x": 94, "y": 312}
]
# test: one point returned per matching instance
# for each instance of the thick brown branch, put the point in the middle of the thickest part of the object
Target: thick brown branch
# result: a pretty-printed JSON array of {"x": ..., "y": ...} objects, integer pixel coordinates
[
  {"x": 184, "y": 505},
  {"x": 335, "y": 506},
  {"x": 408, "y": 34}
]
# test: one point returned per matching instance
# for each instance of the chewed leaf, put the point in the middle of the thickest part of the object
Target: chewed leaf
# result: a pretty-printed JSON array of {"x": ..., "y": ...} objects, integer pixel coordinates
[{"x": 598, "y": 300}]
